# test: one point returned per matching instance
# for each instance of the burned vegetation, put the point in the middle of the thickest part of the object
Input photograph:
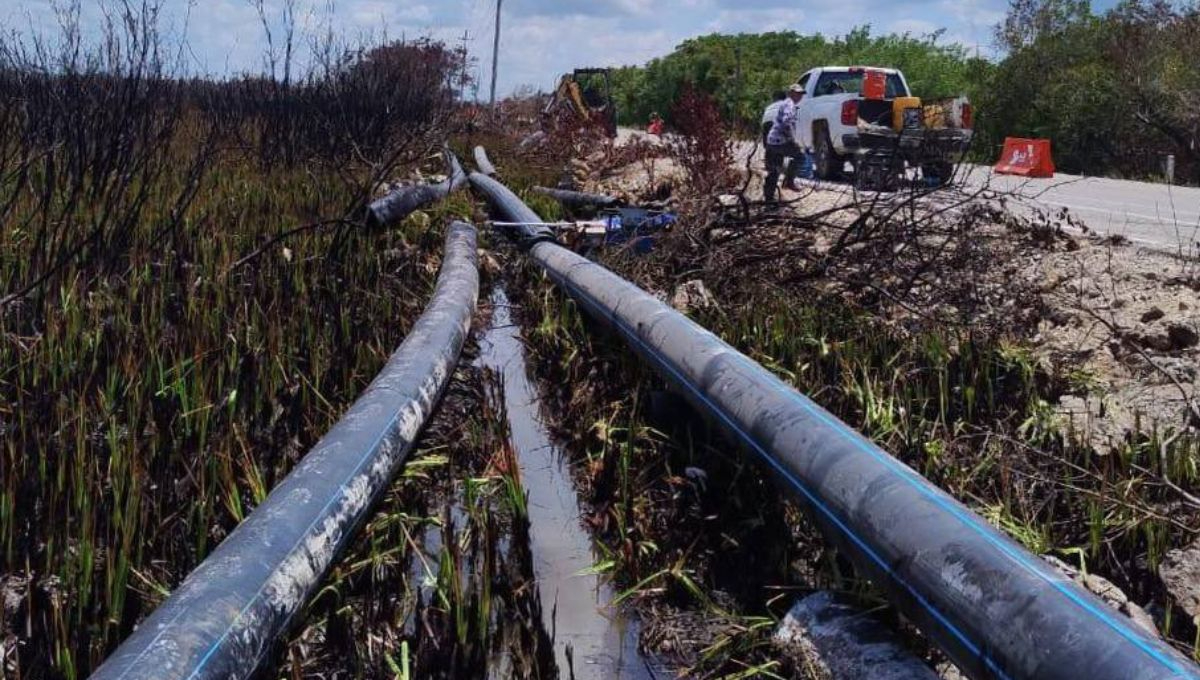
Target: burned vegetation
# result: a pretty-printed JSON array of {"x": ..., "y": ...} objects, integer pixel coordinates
[{"x": 155, "y": 382}]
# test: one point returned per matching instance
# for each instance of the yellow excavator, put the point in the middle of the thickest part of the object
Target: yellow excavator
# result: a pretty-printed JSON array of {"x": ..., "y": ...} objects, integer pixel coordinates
[{"x": 586, "y": 93}]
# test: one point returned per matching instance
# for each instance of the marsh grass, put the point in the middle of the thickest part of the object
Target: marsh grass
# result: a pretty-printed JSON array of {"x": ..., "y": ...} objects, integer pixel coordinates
[{"x": 151, "y": 413}]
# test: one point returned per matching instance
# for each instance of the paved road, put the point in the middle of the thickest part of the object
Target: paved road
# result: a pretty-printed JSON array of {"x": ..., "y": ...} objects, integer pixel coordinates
[{"x": 1156, "y": 215}]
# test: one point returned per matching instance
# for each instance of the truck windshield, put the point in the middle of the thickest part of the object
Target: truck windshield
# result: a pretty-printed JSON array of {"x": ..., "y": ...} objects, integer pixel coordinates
[{"x": 850, "y": 82}]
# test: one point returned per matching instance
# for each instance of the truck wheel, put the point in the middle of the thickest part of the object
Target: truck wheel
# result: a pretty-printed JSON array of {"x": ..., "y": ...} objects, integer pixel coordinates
[
  {"x": 878, "y": 171},
  {"x": 828, "y": 163}
]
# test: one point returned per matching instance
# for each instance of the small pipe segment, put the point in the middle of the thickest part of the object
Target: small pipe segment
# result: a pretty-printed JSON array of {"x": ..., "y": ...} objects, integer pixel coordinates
[
  {"x": 223, "y": 620},
  {"x": 481, "y": 161},
  {"x": 828, "y": 631},
  {"x": 531, "y": 229},
  {"x": 996, "y": 609},
  {"x": 399, "y": 204}
]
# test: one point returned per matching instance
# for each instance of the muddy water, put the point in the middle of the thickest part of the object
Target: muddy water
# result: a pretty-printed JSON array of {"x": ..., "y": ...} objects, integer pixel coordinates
[{"x": 591, "y": 638}]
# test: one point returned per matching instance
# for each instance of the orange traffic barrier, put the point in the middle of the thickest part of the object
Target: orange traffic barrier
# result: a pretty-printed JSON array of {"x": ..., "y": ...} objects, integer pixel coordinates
[{"x": 1027, "y": 157}]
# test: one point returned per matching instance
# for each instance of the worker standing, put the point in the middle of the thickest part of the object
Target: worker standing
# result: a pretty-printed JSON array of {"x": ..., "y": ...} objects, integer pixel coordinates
[
  {"x": 768, "y": 119},
  {"x": 781, "y": 145}
]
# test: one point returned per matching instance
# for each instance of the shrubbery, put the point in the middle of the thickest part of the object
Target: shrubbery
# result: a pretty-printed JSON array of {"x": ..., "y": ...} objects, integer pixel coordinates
[{"x": 1115, "y": 92}]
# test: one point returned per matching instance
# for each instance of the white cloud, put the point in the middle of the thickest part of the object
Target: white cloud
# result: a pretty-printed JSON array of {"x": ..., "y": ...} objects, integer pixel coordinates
[
  {"x": 914, "y": 27},
  {"x": 756, "y": 20}
]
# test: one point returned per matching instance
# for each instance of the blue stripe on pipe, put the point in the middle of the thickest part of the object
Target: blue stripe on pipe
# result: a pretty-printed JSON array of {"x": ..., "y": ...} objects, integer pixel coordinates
[{"x": 878, "y": 454}]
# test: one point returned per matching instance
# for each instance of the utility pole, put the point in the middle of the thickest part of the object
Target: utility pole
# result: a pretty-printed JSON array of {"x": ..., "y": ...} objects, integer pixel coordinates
[{"x": 496, "y": 52}]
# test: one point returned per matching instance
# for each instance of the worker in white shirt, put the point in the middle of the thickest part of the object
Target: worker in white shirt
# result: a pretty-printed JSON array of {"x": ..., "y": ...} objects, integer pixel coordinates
[
  {"x": 781, "y": 145},
  {"x": 768, "y": 118}
]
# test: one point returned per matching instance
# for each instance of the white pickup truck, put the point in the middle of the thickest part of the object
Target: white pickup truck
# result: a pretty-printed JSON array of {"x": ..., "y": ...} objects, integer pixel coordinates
[{"x": 882, "y": 135}]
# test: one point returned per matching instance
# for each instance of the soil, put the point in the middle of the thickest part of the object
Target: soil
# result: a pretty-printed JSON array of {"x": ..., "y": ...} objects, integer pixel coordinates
[{"x": 1124, "y": 320}]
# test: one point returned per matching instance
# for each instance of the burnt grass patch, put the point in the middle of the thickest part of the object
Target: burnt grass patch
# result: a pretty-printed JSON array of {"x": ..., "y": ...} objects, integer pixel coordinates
[{"x": 188, "y": 300}]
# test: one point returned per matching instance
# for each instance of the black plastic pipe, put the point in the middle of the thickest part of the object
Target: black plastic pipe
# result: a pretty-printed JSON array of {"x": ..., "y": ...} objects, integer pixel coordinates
[
  {"x": 577, "y": 199},
  {"x": 402, "y": 202},
  {"x": 481, "y": 161},
  {"x": 528, "y": 228},
  {"x": 996, "y": 609},
  {"x": 223, "y": 620}
]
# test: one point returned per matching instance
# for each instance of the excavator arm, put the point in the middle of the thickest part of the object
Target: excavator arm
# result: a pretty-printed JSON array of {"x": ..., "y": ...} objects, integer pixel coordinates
[
  {"x": 567, "y": 94},
  {"x": 586, "y": 93}
]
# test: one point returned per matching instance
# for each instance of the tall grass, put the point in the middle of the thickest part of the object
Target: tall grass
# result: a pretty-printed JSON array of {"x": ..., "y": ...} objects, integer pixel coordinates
[
  {"x": 974, "y": 415},
  {"x": 152, "y": 392}
]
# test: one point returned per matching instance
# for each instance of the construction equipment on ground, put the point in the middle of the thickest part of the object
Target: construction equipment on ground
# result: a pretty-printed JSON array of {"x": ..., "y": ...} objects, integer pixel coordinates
[{"x": 587, "y": 94}]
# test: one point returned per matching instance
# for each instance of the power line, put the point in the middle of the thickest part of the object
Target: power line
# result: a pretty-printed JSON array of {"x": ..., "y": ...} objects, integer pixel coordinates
[{"x": 482, "y": 22}]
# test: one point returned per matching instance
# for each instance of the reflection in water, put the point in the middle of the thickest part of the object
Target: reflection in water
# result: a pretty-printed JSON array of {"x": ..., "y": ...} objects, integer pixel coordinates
[{"x": 591, "y": 638}]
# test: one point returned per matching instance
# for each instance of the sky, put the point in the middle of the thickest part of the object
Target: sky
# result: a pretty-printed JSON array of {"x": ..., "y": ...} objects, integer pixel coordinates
[{"x": 540, "y": 39}]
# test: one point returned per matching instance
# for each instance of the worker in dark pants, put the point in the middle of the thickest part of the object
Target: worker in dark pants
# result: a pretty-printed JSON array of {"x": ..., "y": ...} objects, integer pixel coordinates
[{"x": 781, "y": 145}]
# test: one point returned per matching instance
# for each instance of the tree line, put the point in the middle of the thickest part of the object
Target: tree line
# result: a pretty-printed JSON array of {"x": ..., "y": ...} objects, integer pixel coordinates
[{"x": 1115, "y": 91}]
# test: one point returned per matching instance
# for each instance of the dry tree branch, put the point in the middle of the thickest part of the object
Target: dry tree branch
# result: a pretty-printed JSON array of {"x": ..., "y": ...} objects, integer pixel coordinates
[{"x": 313, "y": 226}]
